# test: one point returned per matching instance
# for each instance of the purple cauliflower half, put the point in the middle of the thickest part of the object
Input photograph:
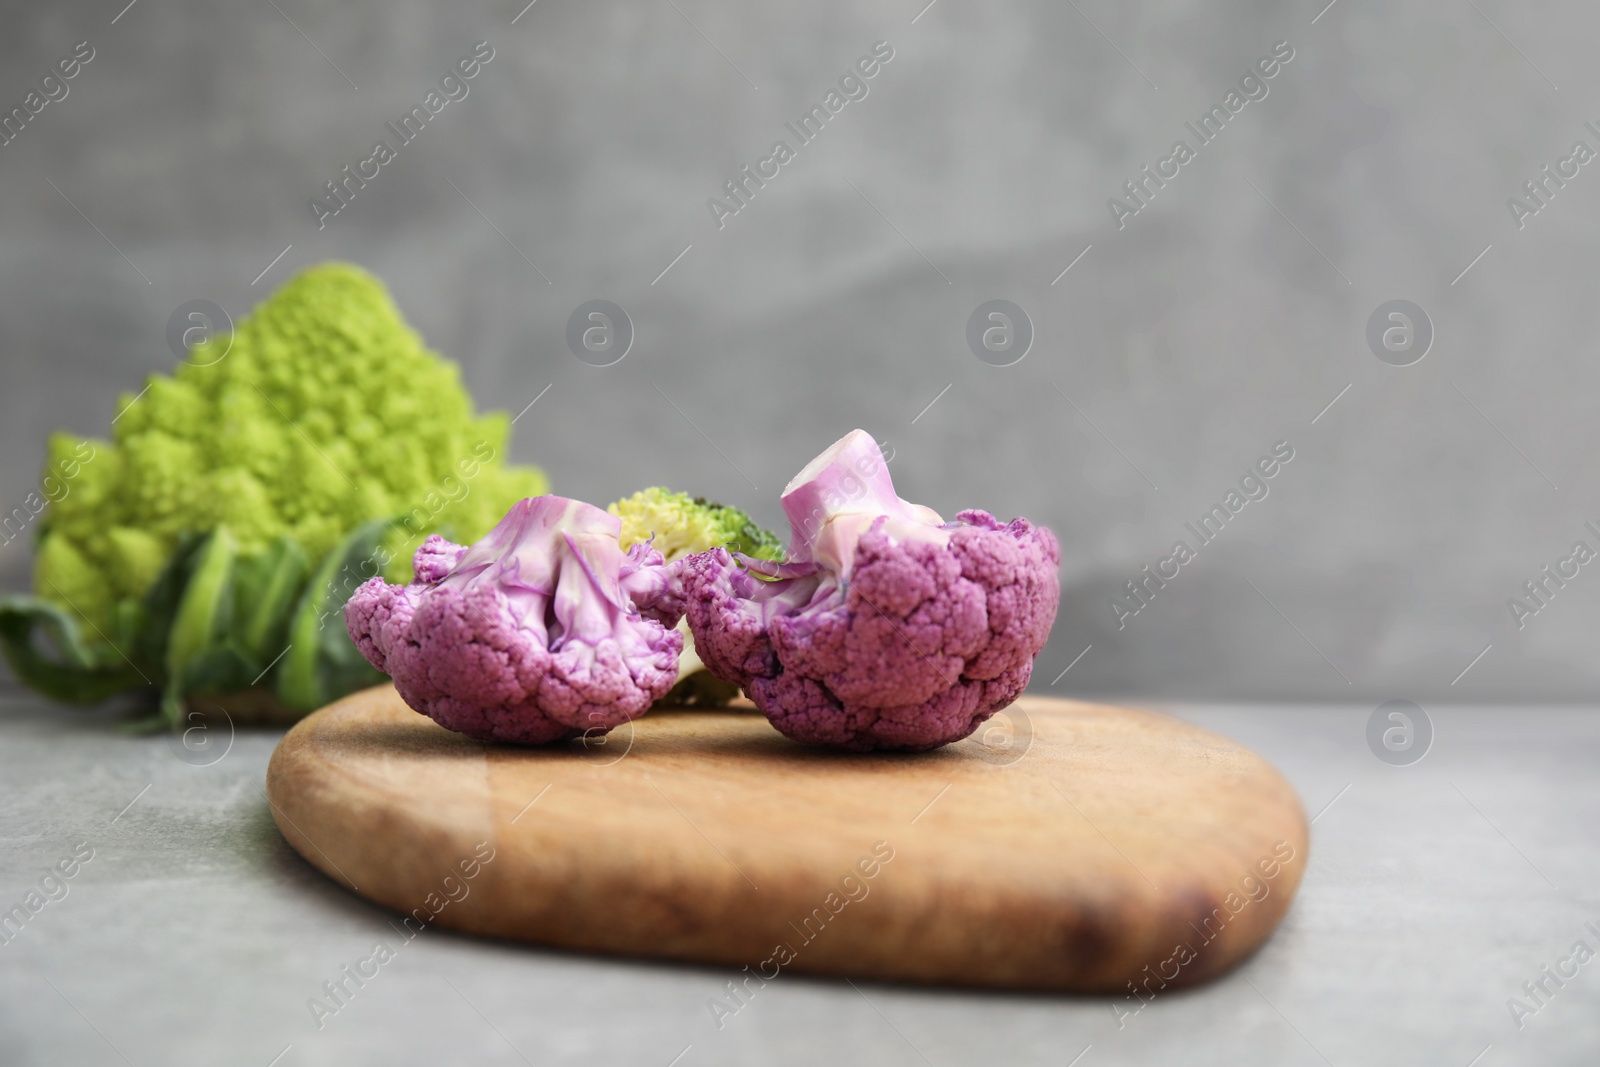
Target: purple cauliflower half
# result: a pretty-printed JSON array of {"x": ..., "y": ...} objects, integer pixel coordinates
[
  {"x": 888, "y": 628},
  {"x": 543, "y": 630}
]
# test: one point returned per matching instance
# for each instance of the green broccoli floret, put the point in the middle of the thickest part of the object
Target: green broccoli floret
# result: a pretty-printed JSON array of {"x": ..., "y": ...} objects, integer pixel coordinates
[
  {"x": 323, "y": 412},
  {"x": 682, "y": 525}
]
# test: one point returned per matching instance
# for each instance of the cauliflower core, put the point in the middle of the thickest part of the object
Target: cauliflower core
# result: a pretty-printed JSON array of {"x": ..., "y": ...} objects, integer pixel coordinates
[
  {"x": 543, "y": 630},
  {"x": 889, "y": 628}
]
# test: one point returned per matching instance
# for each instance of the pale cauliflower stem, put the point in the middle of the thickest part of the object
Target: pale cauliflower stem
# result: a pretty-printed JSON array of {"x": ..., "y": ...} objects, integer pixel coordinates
[
  {"x": 888, "y": 628},
  {"x": 545, "y": 629}
]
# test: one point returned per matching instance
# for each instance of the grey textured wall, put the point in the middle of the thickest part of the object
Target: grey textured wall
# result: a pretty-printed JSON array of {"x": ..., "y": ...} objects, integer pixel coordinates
[{"x": 1220, "y": 319}]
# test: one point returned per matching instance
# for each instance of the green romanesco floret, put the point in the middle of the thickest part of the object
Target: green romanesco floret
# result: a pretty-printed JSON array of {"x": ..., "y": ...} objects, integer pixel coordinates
[
  {"x": 319, "y": 442},
  {"x": 683, "y": 525},
  {"x": 680, "y": 525},
  {"x": 323, "y": 410}
]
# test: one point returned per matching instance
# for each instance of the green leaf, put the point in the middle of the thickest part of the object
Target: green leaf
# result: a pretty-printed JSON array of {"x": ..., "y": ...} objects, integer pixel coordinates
[
  {"x": 322, "y": 663},
  {"x": 267, "y": 589},
  {"x": 212, "y": 624},
  {"x": 219, "y": 669},
  {"x": 204, "y": 608},
  {"x": 201, "y": 620},
  {"x": 147, "y": 624},
  {"x": 77, "y": 673}
]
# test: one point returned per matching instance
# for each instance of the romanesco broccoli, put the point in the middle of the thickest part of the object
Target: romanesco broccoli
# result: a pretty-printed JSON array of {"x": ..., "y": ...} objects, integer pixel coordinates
[
  {"x": 683, "y": 525},
  {"x": 322, "y": 412},
  {"x": 678, "y": 525}
]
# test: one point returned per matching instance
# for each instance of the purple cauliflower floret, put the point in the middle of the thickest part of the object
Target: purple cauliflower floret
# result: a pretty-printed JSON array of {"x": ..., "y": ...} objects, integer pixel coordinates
[
  {"x": 888, "y": 628},
  {"x": 543, "y": 630}
]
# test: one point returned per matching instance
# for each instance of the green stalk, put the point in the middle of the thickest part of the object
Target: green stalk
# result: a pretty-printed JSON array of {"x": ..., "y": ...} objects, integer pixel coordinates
[
  {"x": 201, "y": 620},
  {"x": 322, "y": 662},
  {"x": 266, "y": 591}
]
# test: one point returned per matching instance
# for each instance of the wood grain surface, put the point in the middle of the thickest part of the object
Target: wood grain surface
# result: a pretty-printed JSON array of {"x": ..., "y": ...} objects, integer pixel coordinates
[{"x": 1065, "y": 846}]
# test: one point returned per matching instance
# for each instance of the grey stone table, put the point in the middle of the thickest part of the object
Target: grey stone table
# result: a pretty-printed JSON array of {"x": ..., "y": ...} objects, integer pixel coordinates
[{"x": 195, "y": 935}]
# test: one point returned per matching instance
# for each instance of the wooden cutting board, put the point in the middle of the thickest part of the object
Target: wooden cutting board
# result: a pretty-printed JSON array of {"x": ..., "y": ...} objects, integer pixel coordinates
[{"x": 1064, "y": 846}]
